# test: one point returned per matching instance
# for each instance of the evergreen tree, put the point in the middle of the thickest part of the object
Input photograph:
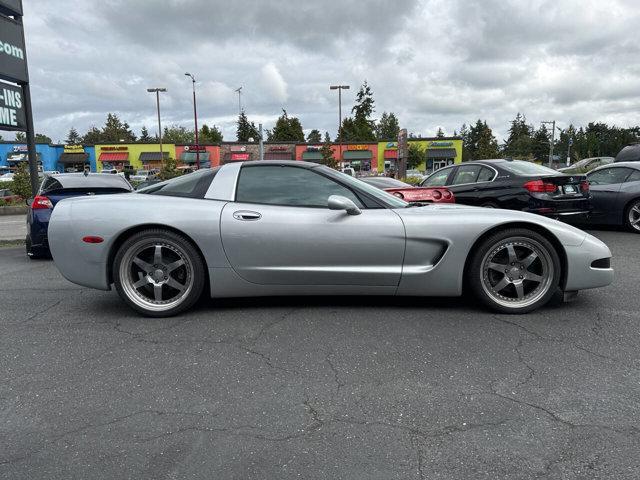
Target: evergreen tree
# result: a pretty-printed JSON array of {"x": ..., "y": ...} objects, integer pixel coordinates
[
  {"x": 327, "y": 157},
  {"x": 481, "y": 143},
  {"x": 314, "y": 136},
  {"x": 42, "y": 138},
  {"x": 210, "y": 134},
  {"x": 93, "y": 136},
  {"x": 246, "y": 129},
  {"x": 115, "y": 131},
  {"x": 519, "y": 145},
  {"x": 361, "y": 127},
  {"x": 178, "y": 134},
  {"x": 388, "y": 128},
  {"x": 73, "y": 137},
  {"x": 415, "y": 156},
  {"x": 440, "y": 133},
  {"x": 21, "y": 182},
  {"x": 144, "y": 135},
  {"x": 286, "y": 129},
  {"x": 327, "y": 138},
  {"x": 540, "y": 144}
]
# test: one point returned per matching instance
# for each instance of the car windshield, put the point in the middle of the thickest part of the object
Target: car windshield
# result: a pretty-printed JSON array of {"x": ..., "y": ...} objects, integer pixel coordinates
[
  {"x": 520, "y": 167},
  {"x": 375, "y": 192}
]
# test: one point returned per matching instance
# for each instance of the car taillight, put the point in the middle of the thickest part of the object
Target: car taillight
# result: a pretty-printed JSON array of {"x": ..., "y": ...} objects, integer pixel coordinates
[
  {"x": 539, "y": 186},
  {"x": 40, "y": 202},
  {"x": 436, "y": 195},
  {"x": 446, "y": 194},
  {"x": 584, "y": 186},
  {"x": 398, "y": 194}
]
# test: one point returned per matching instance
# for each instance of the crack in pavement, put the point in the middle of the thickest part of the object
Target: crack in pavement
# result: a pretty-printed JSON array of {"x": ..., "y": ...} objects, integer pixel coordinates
[{"x": 336, "y": 375}]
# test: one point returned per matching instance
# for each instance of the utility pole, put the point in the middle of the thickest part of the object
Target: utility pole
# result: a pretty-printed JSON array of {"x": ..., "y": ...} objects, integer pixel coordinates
[
  {"x": 157, "y": 92},
  {"x": 260, "y": 142},
  {"x": 195, "y": 119},
  {"x": 553, "y": 140},
  {"x": 570, "y": 142},
  {"x": 339, "y": 137},
  {"x": 239, "y": 92}
]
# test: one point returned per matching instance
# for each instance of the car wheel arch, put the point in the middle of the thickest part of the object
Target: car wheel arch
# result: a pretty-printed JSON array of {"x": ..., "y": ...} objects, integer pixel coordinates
[
  {"x": 124, "y": 235},
  {"x": 625, "y": 210},
  {"x": 529, "y": 226}
]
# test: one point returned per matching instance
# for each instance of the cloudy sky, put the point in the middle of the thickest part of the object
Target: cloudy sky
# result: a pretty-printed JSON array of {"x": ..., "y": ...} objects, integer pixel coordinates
[{"x": 435, "y": 63}]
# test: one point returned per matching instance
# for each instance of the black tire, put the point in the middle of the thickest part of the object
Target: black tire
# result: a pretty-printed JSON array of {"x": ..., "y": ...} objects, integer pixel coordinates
[
  {"x": 531, "y": 280},
  {"x": 152, "y": 275},
  {"x": 630, "y": 216},
  {"x": 31, "y": 253}
]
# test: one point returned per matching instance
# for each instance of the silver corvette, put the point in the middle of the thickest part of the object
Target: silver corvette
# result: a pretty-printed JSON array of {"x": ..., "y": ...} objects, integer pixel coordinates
[{"x": 297, "y": 228}]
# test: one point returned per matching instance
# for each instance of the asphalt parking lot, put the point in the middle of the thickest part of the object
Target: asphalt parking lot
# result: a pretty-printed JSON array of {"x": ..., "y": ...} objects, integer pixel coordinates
[{"x": 317, "y": 388}]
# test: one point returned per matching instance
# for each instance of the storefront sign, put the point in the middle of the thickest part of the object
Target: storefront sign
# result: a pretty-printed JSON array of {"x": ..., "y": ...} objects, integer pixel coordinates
[
  {"x": 114, "y": 149},
  {"x": 20, "y": 148},
  {"x": 195, "y": 148},
  {"x": 11, "y": 7},
  {"x": 238, "y": 149},
  {"x": 278, "y": 149},
  {"x": 13, "y": 64},
  {"x": 357, "y": 147},
  {"x": 440, "y": 144},
  {"x": 314, "y": 148},
  {"x": 73, "y": 149},
  {"x": 391, "y": 145},
  {"x": 239, "y": 156},
  {"x": 12, "y": 113}
]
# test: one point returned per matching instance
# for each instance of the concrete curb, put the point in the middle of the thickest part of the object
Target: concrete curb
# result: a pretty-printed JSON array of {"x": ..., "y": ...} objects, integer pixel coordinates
[{"x": 14, "y": 210}]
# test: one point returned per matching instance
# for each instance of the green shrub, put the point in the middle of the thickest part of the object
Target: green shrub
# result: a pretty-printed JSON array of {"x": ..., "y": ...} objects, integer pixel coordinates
[
  {"x": 21, "y": 184},
  {"x": 412, "y": 180}
]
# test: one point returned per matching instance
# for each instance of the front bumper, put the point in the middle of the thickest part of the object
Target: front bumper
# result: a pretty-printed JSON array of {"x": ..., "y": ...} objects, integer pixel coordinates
[{"x": 581, "y": 274}]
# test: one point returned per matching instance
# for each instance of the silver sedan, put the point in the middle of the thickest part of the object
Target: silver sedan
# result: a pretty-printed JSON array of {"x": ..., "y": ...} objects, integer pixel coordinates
[{"x": 297, "y": 228}]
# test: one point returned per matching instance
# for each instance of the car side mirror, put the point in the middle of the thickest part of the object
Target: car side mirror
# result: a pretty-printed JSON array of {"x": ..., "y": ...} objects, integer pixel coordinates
[{"x": 338, "y": 202}]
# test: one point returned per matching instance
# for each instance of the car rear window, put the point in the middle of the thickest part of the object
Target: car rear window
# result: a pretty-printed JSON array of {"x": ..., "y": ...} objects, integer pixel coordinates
[
  {"x": 520, "y": 167},
  {"x": 192, "y": 185}
]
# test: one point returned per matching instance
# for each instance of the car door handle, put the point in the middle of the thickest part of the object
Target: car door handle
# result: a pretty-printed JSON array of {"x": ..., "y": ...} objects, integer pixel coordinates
[{"x": 246, "y": 215}]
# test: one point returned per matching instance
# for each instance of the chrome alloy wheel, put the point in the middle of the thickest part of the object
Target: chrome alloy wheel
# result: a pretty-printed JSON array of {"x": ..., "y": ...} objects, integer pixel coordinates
[
  {"x": 634, "y": 216},
  {"x": 516, "y": 272},
  {"x": 156, "y": 275}
]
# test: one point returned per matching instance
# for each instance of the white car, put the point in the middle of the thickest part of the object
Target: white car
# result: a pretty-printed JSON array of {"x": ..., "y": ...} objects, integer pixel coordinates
[
  {"x": 7, "y": 177},
  {"x": 142, "y": 175},
  {"x": 415, "y": 174}
]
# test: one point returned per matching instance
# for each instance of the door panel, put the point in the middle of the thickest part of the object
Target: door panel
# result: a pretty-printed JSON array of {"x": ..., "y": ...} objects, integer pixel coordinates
[{"x": 313, "y": 246}]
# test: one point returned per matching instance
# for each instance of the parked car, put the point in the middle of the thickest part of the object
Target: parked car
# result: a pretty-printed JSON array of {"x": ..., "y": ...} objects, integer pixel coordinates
[
  {"x": 615, "y": 195},
  {"x": 630, "y": 153},
  {"x": 514, "y": 185},
  {"x": 299, "y": 228},
  {"x": 415, "y": 174},
  {"x": 6, "y": 177},
  {"x": 143, "y": 175},
  {"x": 59, "y": 187},
  {"x": 586, "y": 165},
  {"x": 8, "y": 196},
  {"x": 409, "y": 193}
]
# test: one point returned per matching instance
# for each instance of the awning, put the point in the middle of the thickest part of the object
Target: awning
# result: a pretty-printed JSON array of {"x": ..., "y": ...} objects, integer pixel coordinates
[
  {"x": 311, "y": 156},
  {"x": 278, "y": 156},
  {"x": 72, "y": 158},
  {"x": 114, "y": 157},
  {"x": 441, "y": 153},
  {"x": 153, "y": 156},
  {"x": 357, "y": 155},
  {"x": 391, "y": 154},
  {"x": 190, "y": 157}
]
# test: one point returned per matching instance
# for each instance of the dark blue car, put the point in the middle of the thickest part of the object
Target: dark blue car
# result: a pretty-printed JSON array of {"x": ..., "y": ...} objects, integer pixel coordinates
[{"x": 58, "y": 187}]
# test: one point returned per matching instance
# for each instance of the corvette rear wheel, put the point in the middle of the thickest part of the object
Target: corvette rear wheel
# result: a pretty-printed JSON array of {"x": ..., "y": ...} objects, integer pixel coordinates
[
  {"x": 158, "y": 273},
  {"x": 515, "y": 271}
]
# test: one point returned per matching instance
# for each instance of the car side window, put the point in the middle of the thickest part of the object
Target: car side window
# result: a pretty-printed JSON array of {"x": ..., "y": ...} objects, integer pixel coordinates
[
  {"x": 466, "y": 174},
  {"x": 634, "y": 177},
  {"x": 609, "y": 176},
  {"x": 486, "y": 175},
  {"x": 288, "y": 186},
  {"x": 438, "y": 178}
]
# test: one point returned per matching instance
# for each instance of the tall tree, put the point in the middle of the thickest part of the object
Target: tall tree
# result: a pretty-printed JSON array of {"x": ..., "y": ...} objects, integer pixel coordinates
[
  {"x": 210, "y": 134},
  {"x": 540, "y": 144},
  {"x": 93, "y": 136},
  {"x": 178, "y": 134},
  {"x": 440, "y": 133},
  {"x": 314, "y": 136},
  {"x": 246, "y": 129},
  {"x": 115, "y": 130},
  {"x": 286, "y": 129},
  {"x": 487, "y": 145},
  {"x": 415, "y": 156},
  {"x": 388, "y": 128},
  {"x": 520, "y": 142},
  {"x": 42, "y": 138},
  {"x": 360, "y": 127},
  {"x": 327, "y": 156},
  {"x": 73, "y": 137},
  {"x": 144, "y": 135},
  {"x": 327, "y": 138}
]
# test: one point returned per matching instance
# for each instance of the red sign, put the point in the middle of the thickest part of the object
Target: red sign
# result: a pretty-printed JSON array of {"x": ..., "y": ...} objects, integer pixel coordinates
[
  {"x": 195, "y": 148},
  {"x": 278, "y": 149},
  {"x": 113, "y": 149},
  {"x": 239, "y": 156},
  {"x": 357, "y": 147}
]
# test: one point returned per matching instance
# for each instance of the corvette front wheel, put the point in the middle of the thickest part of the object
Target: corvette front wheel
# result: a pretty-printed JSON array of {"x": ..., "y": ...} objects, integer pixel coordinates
[
  {"x": 158, "y": 273},
  {"x": 515, "y": 271}
]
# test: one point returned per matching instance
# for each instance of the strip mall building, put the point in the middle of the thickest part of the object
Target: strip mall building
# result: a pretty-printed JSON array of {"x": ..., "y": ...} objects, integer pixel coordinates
[{"x": 367, "y": 157}]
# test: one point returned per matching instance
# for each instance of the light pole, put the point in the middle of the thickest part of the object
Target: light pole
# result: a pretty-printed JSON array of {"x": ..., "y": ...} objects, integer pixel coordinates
[
  {"x": 239, "y": 92},
  {"x": 553, "y": 140},
  {"x": 157, "y": 92},
  {"x": 339, "y": 88},
  {"x": 195, "y": 118}
]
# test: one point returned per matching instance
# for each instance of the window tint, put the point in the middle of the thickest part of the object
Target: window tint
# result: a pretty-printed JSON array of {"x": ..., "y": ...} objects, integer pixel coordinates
[
  {"x": 192, "y": 185},
  {"x": 609, "y": 176},
  {"x": 466, "y": 174},
  {"x": 634, "y": 177},
  {"x": 437, "y": 179},
  {"x": 285, "y": 185},
  {"x": 486, "y": 175}
]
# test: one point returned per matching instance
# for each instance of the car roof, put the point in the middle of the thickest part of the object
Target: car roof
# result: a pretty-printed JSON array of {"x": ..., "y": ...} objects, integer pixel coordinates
[
  {"x": 292, "y": 163},
  {"x": 105, "y": 180},
  {"x": 634, "y": 165}
]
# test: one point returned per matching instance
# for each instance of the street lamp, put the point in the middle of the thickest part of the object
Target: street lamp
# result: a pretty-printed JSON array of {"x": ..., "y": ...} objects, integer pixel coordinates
[
  {"x": 157, "y": 92},
  {"x": 339, "y": 88},
  {"x": 195, "y": 119},
  {"x": 553, "y": 139}
]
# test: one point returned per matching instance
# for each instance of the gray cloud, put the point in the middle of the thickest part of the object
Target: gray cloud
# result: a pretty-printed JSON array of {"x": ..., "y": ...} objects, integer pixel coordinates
[{"x": 436, "y": 63}]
